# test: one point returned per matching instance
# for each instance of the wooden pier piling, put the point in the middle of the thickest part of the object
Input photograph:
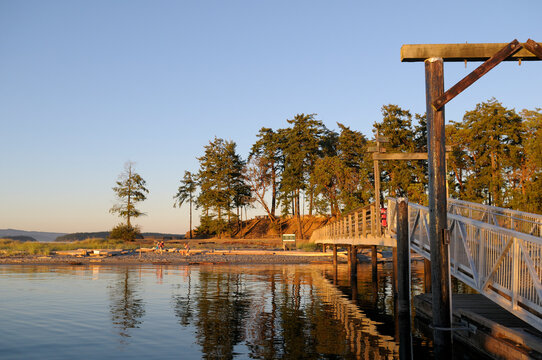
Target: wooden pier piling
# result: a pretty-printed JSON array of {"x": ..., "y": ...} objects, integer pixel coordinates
[
  {"x": 403, "y": 279},
  {"x": 440, "y": 264}
]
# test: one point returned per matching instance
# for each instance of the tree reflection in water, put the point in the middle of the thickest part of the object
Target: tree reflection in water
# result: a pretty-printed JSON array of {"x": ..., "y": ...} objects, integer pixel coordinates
[
  {"x": 127, "y": 307},
  {"x": 222, "y": 303},
  {"x": 182, "y": 302},
  {"x": 281, "y": 318}
]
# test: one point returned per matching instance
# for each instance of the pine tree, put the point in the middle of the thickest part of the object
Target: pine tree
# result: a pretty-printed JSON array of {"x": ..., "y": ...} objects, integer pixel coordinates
[
  {"x": 494, "y": 135},
  {"x": 398, "y": 177},
  {"x": 186, "y": 192},
  {"x": 130, "y": 190},
  {"x": 221, "y": 180}
]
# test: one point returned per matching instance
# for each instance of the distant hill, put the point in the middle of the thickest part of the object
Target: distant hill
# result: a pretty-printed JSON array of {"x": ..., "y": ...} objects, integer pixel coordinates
[
  {"x": 83, "y": 236},
  {"x": 36, "y": 235},
  {"x": 21, "y": 238},
  {"x": 104, "y": 234}
]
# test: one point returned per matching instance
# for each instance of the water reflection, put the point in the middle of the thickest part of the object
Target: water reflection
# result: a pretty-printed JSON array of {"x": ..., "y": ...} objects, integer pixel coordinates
[
  {"x": 182, "y": 300},
  {"x": 127, "y": 307},
  {"x": 226, "y": 312}
]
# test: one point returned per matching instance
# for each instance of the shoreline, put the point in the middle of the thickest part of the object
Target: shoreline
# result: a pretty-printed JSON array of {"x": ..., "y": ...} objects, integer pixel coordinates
[{"x": 196, "y": 257}]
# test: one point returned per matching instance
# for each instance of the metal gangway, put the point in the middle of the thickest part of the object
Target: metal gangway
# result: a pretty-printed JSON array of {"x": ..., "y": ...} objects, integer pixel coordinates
[{"x": 496, "y": 251}]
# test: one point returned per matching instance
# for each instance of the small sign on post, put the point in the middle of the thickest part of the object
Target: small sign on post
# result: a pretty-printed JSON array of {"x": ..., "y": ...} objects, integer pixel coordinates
[{"x": 288, "y": 241}]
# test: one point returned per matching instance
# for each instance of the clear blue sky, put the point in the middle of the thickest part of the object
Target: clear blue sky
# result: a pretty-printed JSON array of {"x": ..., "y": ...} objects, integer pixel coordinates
[{"x": 88, "y": 85}]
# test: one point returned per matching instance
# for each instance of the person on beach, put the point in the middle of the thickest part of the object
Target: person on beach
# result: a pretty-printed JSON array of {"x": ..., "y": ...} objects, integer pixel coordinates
[
  {"x": 161, "y": 246},
  {"x": 186, "y": 249}
]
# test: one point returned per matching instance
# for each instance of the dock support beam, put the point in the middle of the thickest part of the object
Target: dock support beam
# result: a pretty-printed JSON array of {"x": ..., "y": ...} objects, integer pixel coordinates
[
  {"x": 334, "y": 255},
  {"x": 426, "y": 276},
  {"x": 403, "y": 279},
  {"x": 374, "y": 262},
  {"x": 440, "y": 261},
  {"x": 353, "y": 260}
]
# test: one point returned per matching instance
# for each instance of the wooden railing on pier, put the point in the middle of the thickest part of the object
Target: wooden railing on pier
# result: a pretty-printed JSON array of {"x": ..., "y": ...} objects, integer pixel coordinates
[
  {"x": 357, "y": 227},
  {"x": 492, "y": 256}
]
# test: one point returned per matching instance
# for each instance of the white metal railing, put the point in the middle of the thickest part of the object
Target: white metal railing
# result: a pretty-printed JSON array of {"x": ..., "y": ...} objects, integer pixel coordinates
[
  {"x": 511, "y": 219},
  {"x": 355, "y": 224},
  {"x": 503, "y": 264}
]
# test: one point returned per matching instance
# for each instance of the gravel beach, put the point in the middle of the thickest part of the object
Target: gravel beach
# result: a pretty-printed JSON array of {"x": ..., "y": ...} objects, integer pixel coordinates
[{"x": 166, "y": 258}]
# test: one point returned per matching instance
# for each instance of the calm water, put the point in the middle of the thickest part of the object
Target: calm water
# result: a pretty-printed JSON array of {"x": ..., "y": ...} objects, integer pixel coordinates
[{"x": 190, "y": 312}]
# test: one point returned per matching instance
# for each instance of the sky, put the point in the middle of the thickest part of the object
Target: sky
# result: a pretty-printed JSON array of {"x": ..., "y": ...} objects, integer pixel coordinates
[{"x": 87, "y": 85}]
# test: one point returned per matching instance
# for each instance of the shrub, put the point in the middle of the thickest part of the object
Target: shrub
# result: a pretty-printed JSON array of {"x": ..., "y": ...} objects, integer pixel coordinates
[{"x": 125, "y": 232}]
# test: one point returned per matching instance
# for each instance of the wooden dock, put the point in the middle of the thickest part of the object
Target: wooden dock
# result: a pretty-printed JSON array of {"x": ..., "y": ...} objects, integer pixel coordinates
[{"x": 483, "y": 325}]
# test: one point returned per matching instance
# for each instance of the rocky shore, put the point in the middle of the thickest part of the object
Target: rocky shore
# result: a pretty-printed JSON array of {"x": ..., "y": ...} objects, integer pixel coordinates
[{"x": 173, "y": 258}]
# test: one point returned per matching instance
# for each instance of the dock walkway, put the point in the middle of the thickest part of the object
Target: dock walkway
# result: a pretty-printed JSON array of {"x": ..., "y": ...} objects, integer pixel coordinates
[{"x": 487, "y": 327}]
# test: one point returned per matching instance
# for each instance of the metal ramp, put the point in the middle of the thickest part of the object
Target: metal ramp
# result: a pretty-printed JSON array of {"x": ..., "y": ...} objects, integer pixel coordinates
[{"x": 497, "y": 252}]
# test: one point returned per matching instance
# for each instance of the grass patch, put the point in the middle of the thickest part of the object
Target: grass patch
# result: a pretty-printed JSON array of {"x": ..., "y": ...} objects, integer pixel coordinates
[
  {"x": 308, "y": 246},
  {"x": 10, "y": 247}
]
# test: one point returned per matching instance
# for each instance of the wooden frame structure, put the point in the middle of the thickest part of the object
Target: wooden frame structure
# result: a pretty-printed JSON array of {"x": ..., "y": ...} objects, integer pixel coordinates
[{"x": 433, "y": 57}]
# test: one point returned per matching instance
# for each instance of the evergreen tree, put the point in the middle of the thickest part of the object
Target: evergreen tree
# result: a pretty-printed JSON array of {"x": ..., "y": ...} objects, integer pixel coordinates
[
  {"x": 186, "y": 192},
  {"x": 352, "y": 150},
  {"x": 130, "y": 190},
  {"x": 398, "y": 177},
  {"x": 304, "y": 142},
  {"x": 494, "y": 135},
  {"x": 221, "y": 180},
  {"x": 526, "y": 180}
]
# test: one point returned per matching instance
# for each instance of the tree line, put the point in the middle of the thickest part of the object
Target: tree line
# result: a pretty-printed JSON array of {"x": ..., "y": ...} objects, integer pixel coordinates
[{"x": 496, "y": 159}]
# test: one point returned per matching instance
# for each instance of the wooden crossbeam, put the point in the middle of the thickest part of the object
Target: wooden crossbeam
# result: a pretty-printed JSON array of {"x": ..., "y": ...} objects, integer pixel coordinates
[
  {"x": 401, "y": 156},
  {"x": 480, "y": 71},
  {"x": 461, "y": 52},
  {"x": 534, "y": 48}
]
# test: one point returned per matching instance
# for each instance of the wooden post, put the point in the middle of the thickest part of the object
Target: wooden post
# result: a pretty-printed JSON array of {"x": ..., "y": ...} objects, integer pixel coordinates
[
  {"x": 373, "y": 217},
  {"x": 440, "y": 261},
  {"x": 364, "y": 223},
  {"x": 403, "y": 279},
  {"x": 349, "y": 256},
  {"x": 356, "y": 225},
  {"x": 374, "y": 262},
  {"x": 426, "y": 276},
  {"x": 394, "y": 271},
  {"x": 335, "y": 255},
  {"x": 377, "y": 189},
  {"x": 353, "y": 261}
]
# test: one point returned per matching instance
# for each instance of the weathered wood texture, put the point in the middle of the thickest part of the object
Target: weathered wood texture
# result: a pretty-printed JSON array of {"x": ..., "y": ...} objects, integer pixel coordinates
[
  {"x": 534, "y": 47},
  {"x": 480, "y": 71},
  {"x": 426, "y": 276},
  {"x": 440, "y": 271},
  {"x": 460, "y": 52},
  {"x": 399, "y": 156}
]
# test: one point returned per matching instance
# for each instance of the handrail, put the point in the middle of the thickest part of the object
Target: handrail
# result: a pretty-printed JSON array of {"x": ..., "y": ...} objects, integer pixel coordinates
[
  {"x": 356, "y": 224},
  {"x": 511, "y": 219},
  {"x": 503, "y": 264}
]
